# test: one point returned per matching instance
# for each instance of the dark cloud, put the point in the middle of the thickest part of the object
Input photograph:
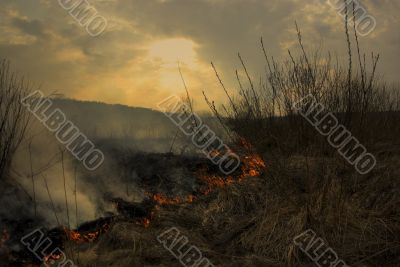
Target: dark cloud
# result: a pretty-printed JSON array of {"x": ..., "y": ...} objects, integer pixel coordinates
[
  {"x": 32, "y": 27},
  {"x": 44, "y": 41}
]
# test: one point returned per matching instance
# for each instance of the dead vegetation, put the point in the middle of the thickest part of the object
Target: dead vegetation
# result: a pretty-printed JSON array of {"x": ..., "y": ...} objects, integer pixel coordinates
[
  {"x": 307, "y": 185},
  {"x": 13, "y": 116},
  {"x": 253, "y": 223}
]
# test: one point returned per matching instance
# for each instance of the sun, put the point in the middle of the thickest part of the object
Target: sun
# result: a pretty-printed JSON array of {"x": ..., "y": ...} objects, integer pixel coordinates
[{"x": 168, "y": 52}]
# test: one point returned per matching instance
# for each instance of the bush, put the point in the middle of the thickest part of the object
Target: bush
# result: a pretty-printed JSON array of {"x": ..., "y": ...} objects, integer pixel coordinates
[{"x": 13, "y": 116}]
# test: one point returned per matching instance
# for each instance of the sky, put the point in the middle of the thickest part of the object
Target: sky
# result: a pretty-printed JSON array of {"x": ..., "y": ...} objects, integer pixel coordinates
[{"x": 135, "y": 60}]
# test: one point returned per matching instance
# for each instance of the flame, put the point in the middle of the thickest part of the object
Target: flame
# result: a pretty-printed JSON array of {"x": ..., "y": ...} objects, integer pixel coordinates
[
  {"x": 146, "y": 222},
  {"x": 76, "y": 236},
  {"x": 79, "y": 238},
  {"x": 251, "y": 166},
  {"x": 163, "y": 200},
  {"x": 52, "y": 258},
  {"x": 215, "y": 153}
]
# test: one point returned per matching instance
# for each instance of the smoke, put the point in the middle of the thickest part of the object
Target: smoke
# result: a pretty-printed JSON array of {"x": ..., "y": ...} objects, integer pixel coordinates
[
  {"x": 47, "y": 167},
  {"x": 86, "y": 192},
  {"x": 127, "y": 137}
]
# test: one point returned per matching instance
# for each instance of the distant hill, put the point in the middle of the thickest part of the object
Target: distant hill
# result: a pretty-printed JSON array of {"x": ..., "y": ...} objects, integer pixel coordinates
[{"x": 115, "y": 121}]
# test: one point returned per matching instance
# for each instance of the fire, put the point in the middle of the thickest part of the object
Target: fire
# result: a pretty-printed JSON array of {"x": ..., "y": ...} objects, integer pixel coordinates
[
  {"x": 251, "y": 166},
  {"x": 215, "y": 153},
  {"x": 214, "y": 181},
  {"x": 163, "y": 200},
  {"x": 76, "y": 236},
  {"x": 145, "y": 222},
  {"x": 52, "y": 258}
]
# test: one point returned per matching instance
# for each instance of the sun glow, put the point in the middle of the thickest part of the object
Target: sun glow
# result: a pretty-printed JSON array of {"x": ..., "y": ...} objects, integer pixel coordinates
[
  {"x": 164, "y": 55},
  {"x": 169, "y": 52}
]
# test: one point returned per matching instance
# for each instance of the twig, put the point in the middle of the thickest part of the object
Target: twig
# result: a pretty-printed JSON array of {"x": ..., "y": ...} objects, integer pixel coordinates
[
  {"x": 75, "y": 193},
  {"x": 51, "y": 200},
  {"x": 189, "y": 100},
  {"x": 76, "y": 204},
  {"x": 348, "y": 118},
  {"x": 224, "y": 88},
  {"x": 32, "y": 178},
  {"x": 173, "y": 141},
  {"x": 65, "y": 188}
]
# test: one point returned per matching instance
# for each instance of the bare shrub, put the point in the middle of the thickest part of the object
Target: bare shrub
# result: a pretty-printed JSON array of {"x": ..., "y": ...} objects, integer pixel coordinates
[
  {"x": 265, "y": 114},
  {"x": 307, "y": 185},
  {"x": 13, "y": 116}
]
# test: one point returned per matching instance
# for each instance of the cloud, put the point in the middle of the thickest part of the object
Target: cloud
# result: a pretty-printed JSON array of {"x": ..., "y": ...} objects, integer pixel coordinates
[
  {"x": 127, "y": 64},
  {"x": 31, "y": 27}
]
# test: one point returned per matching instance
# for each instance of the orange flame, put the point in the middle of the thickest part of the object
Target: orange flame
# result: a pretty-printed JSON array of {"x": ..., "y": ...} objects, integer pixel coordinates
[
  {"x": 163, "y": 200},
  {"x": 52, "y": 258},
  {"x": 252, "y": 165},
  {"x": 146, "y": 222},
  {"x": 76, "y": 236}
]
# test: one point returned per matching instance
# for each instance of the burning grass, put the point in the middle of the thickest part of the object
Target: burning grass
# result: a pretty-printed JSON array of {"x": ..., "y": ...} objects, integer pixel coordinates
[
  {"x": 252, "y": 223},
  {"x": 251, "y": 217},
  {"x": 251, "y": 220},
  {"x": 144, "y": 215},
  {"x": 78, "y": 237}
]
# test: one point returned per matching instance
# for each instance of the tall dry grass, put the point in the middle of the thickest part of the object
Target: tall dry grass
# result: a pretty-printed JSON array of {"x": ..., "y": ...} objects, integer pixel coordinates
[
  {"x": 307, "y": 184},
  {"x": 264, "y": 114}
]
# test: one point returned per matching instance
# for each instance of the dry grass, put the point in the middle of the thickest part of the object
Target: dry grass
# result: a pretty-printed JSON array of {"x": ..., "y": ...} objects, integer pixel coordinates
[
  {"x": 306, "y": 184},
  {"x": 253, "y": 223}
]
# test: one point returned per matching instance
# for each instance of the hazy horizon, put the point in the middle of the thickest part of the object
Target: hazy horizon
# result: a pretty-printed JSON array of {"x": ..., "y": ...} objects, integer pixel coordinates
[{"x": 138, "y": 54}]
